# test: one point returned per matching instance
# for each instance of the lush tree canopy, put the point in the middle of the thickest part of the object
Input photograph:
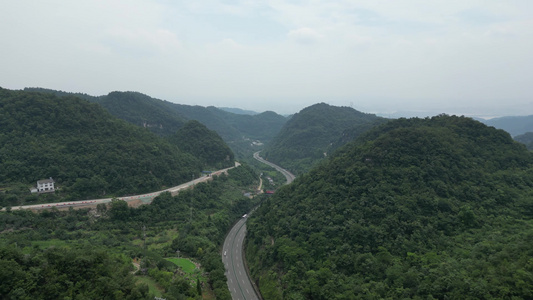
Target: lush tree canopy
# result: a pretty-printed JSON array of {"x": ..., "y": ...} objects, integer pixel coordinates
[
  {"x": 526, "y": 139},
  {"x": 315, "y": 132},
  {"x": 205, "y": 144},
  {"x": 60, "y": 273},
  {"x": 87, "y": 151},
  {"x": 165, "y": 118},
  {"x": 418, "y": 209},
  {"x": 87, "y": 254}
]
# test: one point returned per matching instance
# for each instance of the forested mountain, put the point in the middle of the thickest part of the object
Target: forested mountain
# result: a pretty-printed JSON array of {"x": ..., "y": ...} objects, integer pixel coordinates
[
  {"x": 61, "y": 93},
  {"x": 86, "y": 150},
  {"x": 264, "y": 126},
  {"x": 143, "y": 111},
  {"x": 195, "y": 139},
  {"x": 526, "y": 139},
  {"x": 315, "y": 132},
  {"x": 165, "y": 118},
  {"x": 437, "y": 208},
  {"x": 515, "y": 125}
]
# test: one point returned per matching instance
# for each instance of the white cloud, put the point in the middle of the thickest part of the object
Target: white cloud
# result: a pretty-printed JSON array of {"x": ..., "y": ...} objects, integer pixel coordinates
[{"x": 304, "y": 35}]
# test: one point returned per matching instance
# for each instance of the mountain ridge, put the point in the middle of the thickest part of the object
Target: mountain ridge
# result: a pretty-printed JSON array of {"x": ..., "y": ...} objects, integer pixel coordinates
[
  {"x": 315, "y": 132},
  {"x": 88, "y": 151},
  {"x": 415, "y": 208}
]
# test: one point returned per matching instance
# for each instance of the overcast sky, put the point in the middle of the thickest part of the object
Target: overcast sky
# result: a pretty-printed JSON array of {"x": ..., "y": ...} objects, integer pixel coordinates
[{"x": 468, "y": 57}]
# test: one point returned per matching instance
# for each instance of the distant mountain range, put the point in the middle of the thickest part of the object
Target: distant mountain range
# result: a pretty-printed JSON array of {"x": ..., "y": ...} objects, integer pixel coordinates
[
  {"x": 515, "y": 125},
  {"x": 238, "y": 111},
  {"x": 165, "y": 118}
]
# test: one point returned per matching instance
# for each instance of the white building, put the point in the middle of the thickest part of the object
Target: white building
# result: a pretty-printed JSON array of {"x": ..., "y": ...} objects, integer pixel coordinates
[{"x": 45, "y": 186}]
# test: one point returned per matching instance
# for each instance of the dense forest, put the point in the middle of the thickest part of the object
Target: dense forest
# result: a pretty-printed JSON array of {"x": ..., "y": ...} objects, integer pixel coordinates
[
  {"x": 165, "y": 118},
  {"x": 88, "y": 254},
  {"x": 435, "y": 208},
  {"x": 141, "y": 110},
  {"x": 195, "y": 139},
  {"x": 526, "y": 139},
  {"x": 314, "y": 133},
  {"x": 87, "y": 151},
  {"x": 429, "y": 208},
  {"x": 264, "y": 126}
]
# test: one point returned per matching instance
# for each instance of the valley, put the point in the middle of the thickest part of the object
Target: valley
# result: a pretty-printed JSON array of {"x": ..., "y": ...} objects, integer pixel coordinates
[{"x": 439, "y": 207}]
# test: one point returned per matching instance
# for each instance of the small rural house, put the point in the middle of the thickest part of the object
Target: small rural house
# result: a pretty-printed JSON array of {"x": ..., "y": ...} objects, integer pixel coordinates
[{"x": 44, "y": 186}]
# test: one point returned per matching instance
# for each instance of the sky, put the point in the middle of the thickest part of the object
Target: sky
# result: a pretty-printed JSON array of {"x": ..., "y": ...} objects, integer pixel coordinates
[{"x": 461, "y": 57}]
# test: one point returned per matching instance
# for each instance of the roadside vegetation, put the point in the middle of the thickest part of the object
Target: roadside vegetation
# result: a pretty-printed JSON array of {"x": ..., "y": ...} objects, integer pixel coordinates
[
  {"x": 90, "y": 254},
  {"x": 92, "y": 154}
]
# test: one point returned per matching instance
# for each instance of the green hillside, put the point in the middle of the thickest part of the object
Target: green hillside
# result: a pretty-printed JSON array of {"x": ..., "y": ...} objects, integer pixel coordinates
[
  {"x": 195, "y": 139},
  {"x": 315, "y": 132},
  {"x": 165, "y": 118},
  {"x": 434, "y": 208},
  {"x": 264, "y": 126},
  {"x": 87, "y": 151},
  {"x": 142, "y": 110},
  {"x": 88, "y": 253},
  {"x": 526, "y": 139}
]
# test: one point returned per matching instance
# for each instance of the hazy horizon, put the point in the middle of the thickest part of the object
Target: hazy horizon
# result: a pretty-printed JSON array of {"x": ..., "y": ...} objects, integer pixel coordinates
[
  {"x": 385, "y": 112},
  {"x": 447, "y": 56}
]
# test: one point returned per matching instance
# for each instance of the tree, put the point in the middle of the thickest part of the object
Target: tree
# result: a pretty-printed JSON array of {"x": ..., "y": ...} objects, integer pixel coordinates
[{"x": 198, "y": 286}]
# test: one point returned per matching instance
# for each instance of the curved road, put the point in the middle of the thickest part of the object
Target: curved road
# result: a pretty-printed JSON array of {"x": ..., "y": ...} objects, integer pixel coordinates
[
  {"x": 145, "y": 198},
  {"x": 290, "y": 177},
  {"x": 239, "y": 284}
]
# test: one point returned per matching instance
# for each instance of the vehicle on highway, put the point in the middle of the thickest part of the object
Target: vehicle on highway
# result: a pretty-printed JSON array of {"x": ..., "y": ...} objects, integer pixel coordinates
[{"x": 245, "y": 215}]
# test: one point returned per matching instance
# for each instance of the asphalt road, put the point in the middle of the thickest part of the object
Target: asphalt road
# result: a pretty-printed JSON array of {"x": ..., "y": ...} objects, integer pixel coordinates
[
  {"x": 290, "y": 177},
  {"x": 239, "y": 284},
  {"x": 145, "y": 198}
]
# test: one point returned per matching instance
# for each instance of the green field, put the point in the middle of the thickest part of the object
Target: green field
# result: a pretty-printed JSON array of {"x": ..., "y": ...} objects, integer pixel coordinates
[
  {"x": 185, "y": 264},
  {"x": 189, "y": 268}
]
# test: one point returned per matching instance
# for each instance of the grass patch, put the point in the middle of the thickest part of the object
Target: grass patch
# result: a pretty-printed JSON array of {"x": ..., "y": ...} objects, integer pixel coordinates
[
  {"x": 185, "y": 264},
  {"x": 152, "y": 285},
  {"x": 190, "y": 270}
]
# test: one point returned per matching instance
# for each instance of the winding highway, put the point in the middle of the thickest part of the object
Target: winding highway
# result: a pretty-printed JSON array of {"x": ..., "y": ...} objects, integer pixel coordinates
[
  {"x": 144, "y": 198},
  {"x": 239, "y": 283},
  {"x": 290, "y": 177}
]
